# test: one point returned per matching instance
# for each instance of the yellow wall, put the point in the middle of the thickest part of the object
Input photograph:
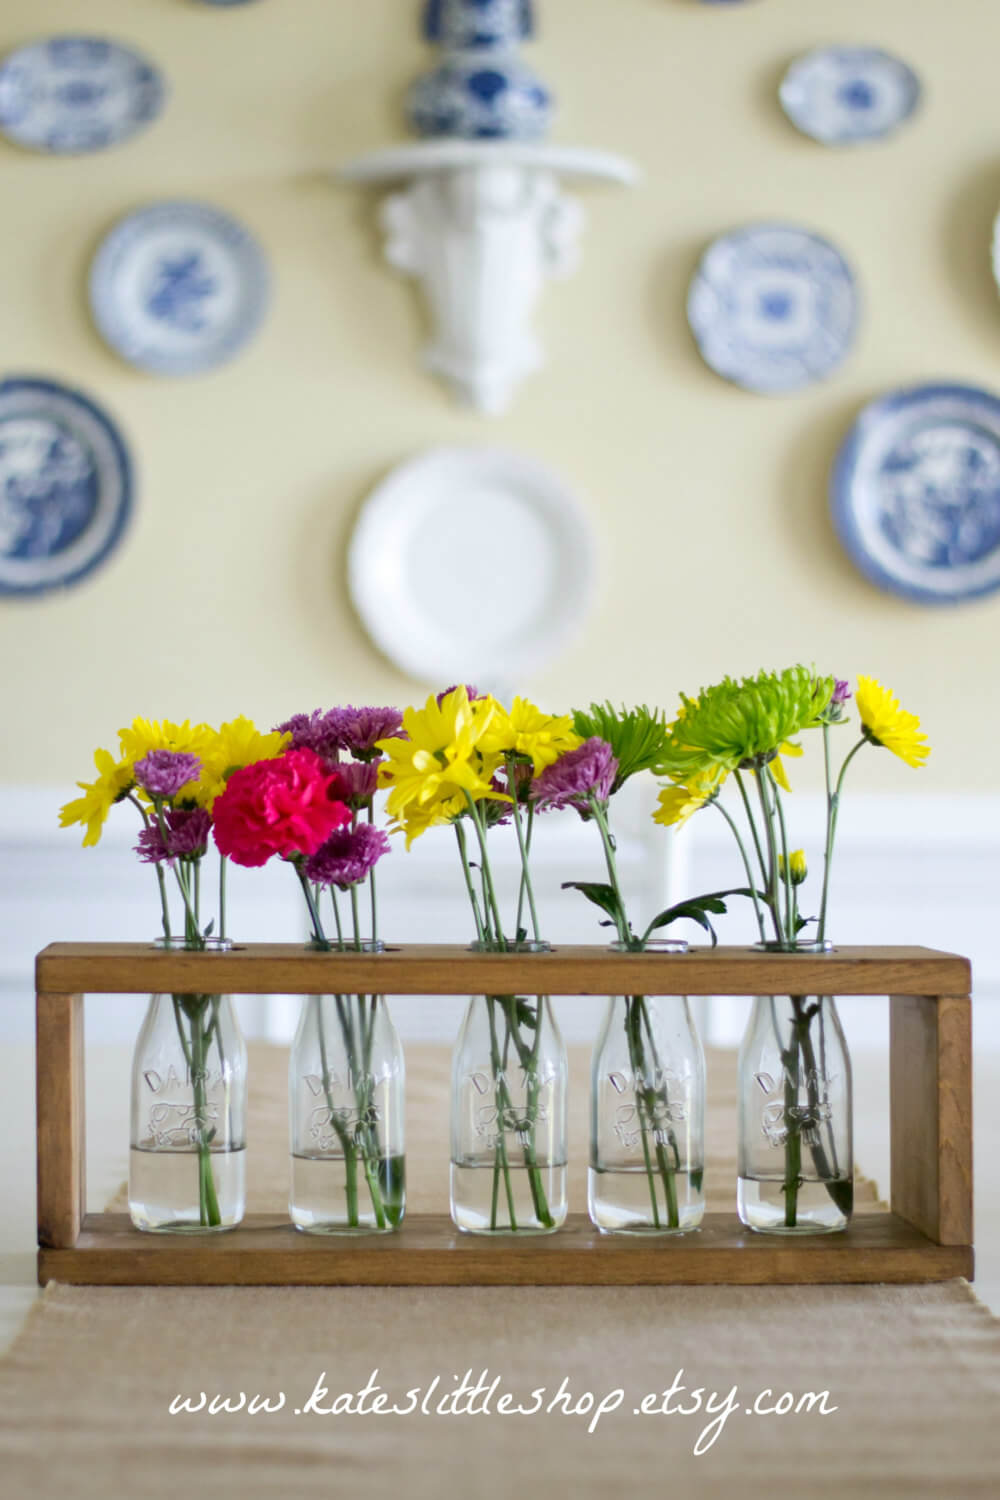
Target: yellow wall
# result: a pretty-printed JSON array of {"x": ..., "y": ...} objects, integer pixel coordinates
[{"x": 718, "y": 555}]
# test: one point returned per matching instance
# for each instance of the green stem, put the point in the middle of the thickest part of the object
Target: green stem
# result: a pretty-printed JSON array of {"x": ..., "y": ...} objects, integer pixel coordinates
[
  {"x": 832, "y": 813},
  {"x": 746, "y": 865},
  {"x": 621, "y": 920},
  {"x": 747, "y": 808},
  {"x": 223, "y": 863},
  {"x": 526, "y": 884},
  {"x": 790, "y": 900},
  {"x": 319, "y": 936},
  {"x": 467, "y": 872},
  {"x": 772, "y": 871},
  {"x": 502, "y": 1103},
  {"x": 371, "y": 882},
  {"x": 487, "y": 873},
  {"x": 527, "y": 846}
]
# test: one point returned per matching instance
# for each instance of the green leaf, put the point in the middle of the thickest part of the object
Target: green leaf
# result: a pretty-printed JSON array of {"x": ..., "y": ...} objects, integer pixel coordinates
[
  {"x": 601, "y": 895},
  {"x": 525, "y": 1015},
  {"x": 209, "y": 929},
  {"x": 696, "y": 909}
]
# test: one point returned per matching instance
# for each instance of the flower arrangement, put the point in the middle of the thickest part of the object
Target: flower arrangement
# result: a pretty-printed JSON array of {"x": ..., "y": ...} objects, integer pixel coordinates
[
  {"x": 313, "y": 806},
  {"x": 175, "y": 776},
  {"x": 796, "y": 1072},
  {"x": 466, "y": 760},
  {"x": 745, "y": 729}
]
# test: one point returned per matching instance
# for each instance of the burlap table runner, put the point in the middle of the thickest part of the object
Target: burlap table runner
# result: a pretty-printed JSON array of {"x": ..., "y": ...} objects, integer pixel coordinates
[{"x": 914, "y": 1373}]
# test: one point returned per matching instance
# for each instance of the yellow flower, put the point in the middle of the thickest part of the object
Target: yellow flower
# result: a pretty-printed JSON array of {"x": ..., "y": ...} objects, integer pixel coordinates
[
  {"x": 797, "y": 868},
  {"x": 777, "y": 765},
  {"x": 526, "y": 730},
  {"x": 144, "y": 735},
  {"x": 235, "y": 744},
  {"x": 416, "y": 820},
  {"x": 885, "y": 723},
  {"x": 678, "y": 801},
  {"x": 442, "y": 758},
  {"x": 113, "y": 781}
]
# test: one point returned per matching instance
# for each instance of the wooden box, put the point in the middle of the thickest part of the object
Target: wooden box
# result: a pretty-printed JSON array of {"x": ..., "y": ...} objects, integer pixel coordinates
[{"x": 926, "y": 1237}]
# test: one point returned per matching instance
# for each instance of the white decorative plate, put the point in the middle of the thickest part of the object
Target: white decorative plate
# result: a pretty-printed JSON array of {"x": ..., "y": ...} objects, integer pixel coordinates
[
  {"x": 844, "y": 95},
  {"x": 915, "y": 493},
  {"x": 65, "y": 486},
  {"x": 471, "y": 565},
  {"x": 178, "y": 288},
  {"x": 77, "y": 93},
  {"x": 773, "y": 307}
]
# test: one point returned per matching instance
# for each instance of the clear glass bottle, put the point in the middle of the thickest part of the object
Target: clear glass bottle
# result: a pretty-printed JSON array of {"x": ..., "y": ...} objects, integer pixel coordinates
[
  {"x": 647, "y": 1116},
  {"x": 346, "y": 1096},
  {"x": 796, "y": 1158},
  {"x": 508, "y": 1116},
  {"x": 187, "y": 1171}
]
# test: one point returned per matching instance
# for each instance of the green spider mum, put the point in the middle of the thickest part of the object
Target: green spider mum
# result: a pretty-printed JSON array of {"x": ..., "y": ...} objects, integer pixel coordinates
[
  {"x": 743, "y": 725},
  {"x": 637, "y": 736}
]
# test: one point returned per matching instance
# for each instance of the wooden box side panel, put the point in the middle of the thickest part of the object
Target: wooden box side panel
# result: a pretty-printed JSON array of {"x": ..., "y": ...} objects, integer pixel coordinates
[
  {"x": 931, "y": 1115},
  {"x": 60, "y": 1112}
]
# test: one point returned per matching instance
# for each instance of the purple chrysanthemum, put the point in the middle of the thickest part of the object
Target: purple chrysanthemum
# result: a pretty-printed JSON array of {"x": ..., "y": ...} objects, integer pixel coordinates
[
  {"x": 357, "y": 783},
  {"x": 472, "y": 693},
  {"x": 347, "y": 856},
  {"x": 588, "y": 771},
  {"x": 841, "y": 691},
  {"x": 162, "y": 773},
  {"x": 347, "y": 730},
  {"x": 188, "y": 829}
]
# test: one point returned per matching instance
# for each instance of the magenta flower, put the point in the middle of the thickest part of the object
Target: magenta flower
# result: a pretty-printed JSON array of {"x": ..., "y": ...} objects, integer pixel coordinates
[
  {"x": 841, "y": 691},
  {"x": 187, "y": 836},
  {"x": 357, "y": 782},
  {"x": 162, "y": 773},
  {"x": 348, "y": 730},
  {"x": 589, "y": 771},
  {"x": 347, "y": 856}
]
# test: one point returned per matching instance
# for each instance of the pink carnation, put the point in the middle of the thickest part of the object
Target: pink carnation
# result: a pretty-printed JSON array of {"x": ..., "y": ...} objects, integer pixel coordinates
[{"x": 282, "y": 806}]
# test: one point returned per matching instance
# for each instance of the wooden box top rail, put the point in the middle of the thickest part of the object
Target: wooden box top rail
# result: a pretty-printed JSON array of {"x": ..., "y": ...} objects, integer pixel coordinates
[{"x": 440, "y": 969}]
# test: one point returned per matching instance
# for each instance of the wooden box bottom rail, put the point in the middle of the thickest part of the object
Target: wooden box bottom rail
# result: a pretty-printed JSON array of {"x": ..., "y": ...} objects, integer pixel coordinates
[{"x": 428, "y": 1251}]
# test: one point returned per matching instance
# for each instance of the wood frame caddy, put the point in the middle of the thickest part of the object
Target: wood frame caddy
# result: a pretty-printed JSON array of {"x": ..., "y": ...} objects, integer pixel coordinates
[{"x": 926, "y": 1237}]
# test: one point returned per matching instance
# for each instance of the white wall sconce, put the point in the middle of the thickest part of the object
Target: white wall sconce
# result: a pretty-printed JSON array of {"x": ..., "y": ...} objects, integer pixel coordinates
[{"x": 480, "y": 216}]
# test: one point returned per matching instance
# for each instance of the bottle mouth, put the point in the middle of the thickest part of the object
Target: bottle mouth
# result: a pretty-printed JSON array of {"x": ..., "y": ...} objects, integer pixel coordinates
[
  {"x": 528, "y": 945},
  {"x": 205, "y": 945},
  {"x": 654, "y": 945},
  {"x": 803, "y": 945},
  {"x": 370, "y": 945}
]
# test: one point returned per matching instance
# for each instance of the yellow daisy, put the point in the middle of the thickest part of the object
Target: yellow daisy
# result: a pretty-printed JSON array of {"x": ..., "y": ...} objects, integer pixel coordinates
[
  {"x": 441, "y": 759},
  {"x": 113, "y": 781},
  {"x": 527, "y": 731},
  {"x": 885, "y": 723},
  {"x": 235, "y": 744},
  {"x": 678, "y": 801},
  {"x": 777, "y": 765}
]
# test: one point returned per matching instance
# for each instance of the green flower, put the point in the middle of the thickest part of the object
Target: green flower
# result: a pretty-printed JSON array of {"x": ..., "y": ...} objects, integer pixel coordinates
[
  {"x": 743, "y": 725},
  {"x": 637, "y": 736}
]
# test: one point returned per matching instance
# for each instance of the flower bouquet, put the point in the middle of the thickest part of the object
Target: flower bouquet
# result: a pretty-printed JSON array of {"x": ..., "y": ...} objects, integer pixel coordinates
[
  {"x": 467, "y": 761},
  {"x": 313, "y": 806},
  {"x": 188, "y": 1107},
  {"x": 795, "y": 1141}
]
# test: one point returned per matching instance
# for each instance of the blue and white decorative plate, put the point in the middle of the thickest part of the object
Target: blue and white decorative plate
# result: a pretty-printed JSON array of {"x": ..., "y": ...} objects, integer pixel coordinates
[
  {"x": 915, "y": 492},
  {"x": 773, "y": 307},
  {"x": 178, "y": 288},
  {"x": 74, "y": 94},
  {"x": 65, "y": 486},
  {"x": 844, "y": 95}
]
